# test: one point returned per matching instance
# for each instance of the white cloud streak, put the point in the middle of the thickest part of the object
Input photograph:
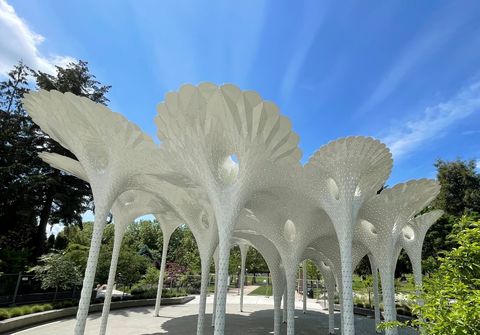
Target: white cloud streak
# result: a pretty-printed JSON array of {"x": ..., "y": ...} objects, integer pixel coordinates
[
  {"x": 435, "y": 35},
  {"x": 19, "y": 42},
  {"x": 312, "y": 20},
  {"x": 434, "y": 121}
]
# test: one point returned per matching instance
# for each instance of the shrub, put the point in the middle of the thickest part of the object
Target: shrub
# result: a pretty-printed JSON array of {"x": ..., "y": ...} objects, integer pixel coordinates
[
  {"x": 26, "y": 309},
  {"x": 14, "y": 312},
  {"x": 4, "y": 314},
  {"x": 57, "y": 304},
  {"x": 37, "y": 308},
  {"x": 139, "y": 292},
  {"x": 47, "y": 307},
  {"x": 68, "y": 303}
]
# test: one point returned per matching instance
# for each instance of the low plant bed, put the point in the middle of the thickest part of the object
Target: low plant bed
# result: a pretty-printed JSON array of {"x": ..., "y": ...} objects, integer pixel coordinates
[
  {"x": 25, "y": 321},
  {"x": 11, "y": 312}
]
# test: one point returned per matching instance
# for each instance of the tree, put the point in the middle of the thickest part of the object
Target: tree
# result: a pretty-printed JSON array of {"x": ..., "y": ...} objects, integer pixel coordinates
[
  {"x": 459, "y": 194},
  {"x": 452, "y": 293},
  {"x": 16, "y": 206},
  {"x": 460, "y": 190},
  {"x": 255, "y": 263},
  {"x": 58, "y": 272},
  {"x": 64, "y": 197},
  {"x": 33, "y": 194}
]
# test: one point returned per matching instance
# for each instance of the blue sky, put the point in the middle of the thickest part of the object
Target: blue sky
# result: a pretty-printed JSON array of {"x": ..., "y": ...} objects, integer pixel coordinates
[{"x": 406, "y": 72}]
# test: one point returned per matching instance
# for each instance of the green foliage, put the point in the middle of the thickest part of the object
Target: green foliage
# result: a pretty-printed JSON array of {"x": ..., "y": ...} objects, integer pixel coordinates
[
  {"x": 17, "y": 311},
  {"x": 460, "y": 187},
  {"x": 452, "y": 293},
  {"x": 265, "y": 290},
  {"x": 37, "y": 308},
  {"x": 392, "y": 324},
  {"x": 57, "y": 271},
  {"x": 4, "y": 314},
  {"x": 11, "y": 312},
  {"x": 150, "y": 279},
  {"x": 14, "y": 260},
  {"x": 312, "y": 271},
  {"x": 32, "y": 194},
  {"x": 139, "y": 292},
  {"x": 459, "y": 194},
  {"x": 255, "y": 262}
]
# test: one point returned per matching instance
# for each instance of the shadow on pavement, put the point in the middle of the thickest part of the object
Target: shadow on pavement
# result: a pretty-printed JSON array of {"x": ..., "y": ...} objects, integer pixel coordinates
[{"x": 256, "y": 323}]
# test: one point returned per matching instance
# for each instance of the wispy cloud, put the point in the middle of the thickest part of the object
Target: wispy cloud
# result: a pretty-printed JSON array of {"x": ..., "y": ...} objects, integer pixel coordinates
[
  {"x": 434, "y": 121},
  {"x": 19, "y": 42},
  {"x": 435, "y": 34},
  {"x": 311, "y": 22}
]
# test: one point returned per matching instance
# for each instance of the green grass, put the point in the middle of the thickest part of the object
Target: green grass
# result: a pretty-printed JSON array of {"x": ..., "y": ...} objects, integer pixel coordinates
[
  {"x": 11, "y": 312},
  {"x": 265, "y": 290}
]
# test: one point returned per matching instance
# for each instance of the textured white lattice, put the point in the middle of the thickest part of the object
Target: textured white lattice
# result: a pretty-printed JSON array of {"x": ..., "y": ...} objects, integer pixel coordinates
[
  {"x": 208, "y": 127},
  {"x": 345, "y": 173},
  {"x": 382, "y": 222},
  {"x": 412, "y": 237},
  {"x": 100, "y": 140},
  {"x": 274, "y": 263},
  {"x": 128, "y": 206},
  {"x": 228, "y": 167},
  {"x": 329, "y": 280}
]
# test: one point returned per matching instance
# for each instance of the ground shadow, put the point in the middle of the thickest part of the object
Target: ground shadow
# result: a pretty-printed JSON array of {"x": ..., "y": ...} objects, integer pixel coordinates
[
  {"x": 260, "y": 322},
  {"x": 123, "y": 312}
]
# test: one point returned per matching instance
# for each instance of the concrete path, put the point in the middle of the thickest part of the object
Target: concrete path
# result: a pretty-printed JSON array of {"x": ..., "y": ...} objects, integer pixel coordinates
[{"x": 182, "y": 320}]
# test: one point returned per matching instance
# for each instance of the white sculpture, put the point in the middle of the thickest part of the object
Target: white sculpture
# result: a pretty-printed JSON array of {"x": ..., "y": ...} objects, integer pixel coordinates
[
  {"x": 100, "y": 140},
  {"x": 228, "y": 168},
  {"x": 209, "y": 127},
  {"x": 382, "y": 220},
  {"x": 413, "y": 235},
  {"x": 347, "y": 172}
]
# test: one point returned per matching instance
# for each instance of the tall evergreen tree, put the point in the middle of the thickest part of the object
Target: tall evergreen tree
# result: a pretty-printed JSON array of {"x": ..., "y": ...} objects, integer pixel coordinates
[
  {"x": 33, "y": 194},
  {"x": 459, "y": 195},
  {"x": 18, "y": 220}
]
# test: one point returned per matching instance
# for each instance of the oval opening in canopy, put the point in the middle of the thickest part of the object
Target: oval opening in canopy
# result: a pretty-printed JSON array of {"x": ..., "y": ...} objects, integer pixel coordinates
[
  {"x": 333, "y": 188},
  {"x": 228, "y": 169},
  {"x": 204, "y": 220},
  {"x": 408, "y": 233},
  {"x": 368, "y": 226},
  {"x": 289, "y": 231}
]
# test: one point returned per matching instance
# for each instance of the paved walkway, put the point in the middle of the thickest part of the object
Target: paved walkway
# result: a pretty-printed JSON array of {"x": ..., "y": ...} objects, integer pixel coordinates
[{"x": 256, "y": 319}]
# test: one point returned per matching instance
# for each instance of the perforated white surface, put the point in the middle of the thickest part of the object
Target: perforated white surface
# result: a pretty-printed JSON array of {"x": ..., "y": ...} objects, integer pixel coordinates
[{"x": 228, "y": 167}]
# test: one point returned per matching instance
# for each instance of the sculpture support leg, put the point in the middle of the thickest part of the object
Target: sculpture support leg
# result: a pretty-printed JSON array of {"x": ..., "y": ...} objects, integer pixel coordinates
[
  {"x": 158, "y": 301},
  {"x": 215, "y": 296},
  {"x": 388, "y": 289},
  {"x": 331, "y": 304},
  {"x": 348, "y": 327},
  {"x": 242, "y": 277},
  {"x": 304, "y": 284},
  {"x": 84, "y": 304},
  {"x": 376, "y": 296},
  {"x": 220, "y": 308},
  {"x": 284, "y": 314},
  {"x": 203, "y": 294},
  {"x": 417, "y": 275},
  {"x": 111, "y": 277},
  {"x": 291, "y": 285},
  {"x": 277, "y": 311}
]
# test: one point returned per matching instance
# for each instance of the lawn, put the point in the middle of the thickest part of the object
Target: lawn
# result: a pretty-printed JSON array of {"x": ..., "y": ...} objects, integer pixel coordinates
[{"x": 265, "y": 290}]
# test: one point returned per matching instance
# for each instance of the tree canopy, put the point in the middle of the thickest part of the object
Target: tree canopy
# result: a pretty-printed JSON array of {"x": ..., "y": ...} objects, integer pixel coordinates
[{"x": 33, "y": 195}]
